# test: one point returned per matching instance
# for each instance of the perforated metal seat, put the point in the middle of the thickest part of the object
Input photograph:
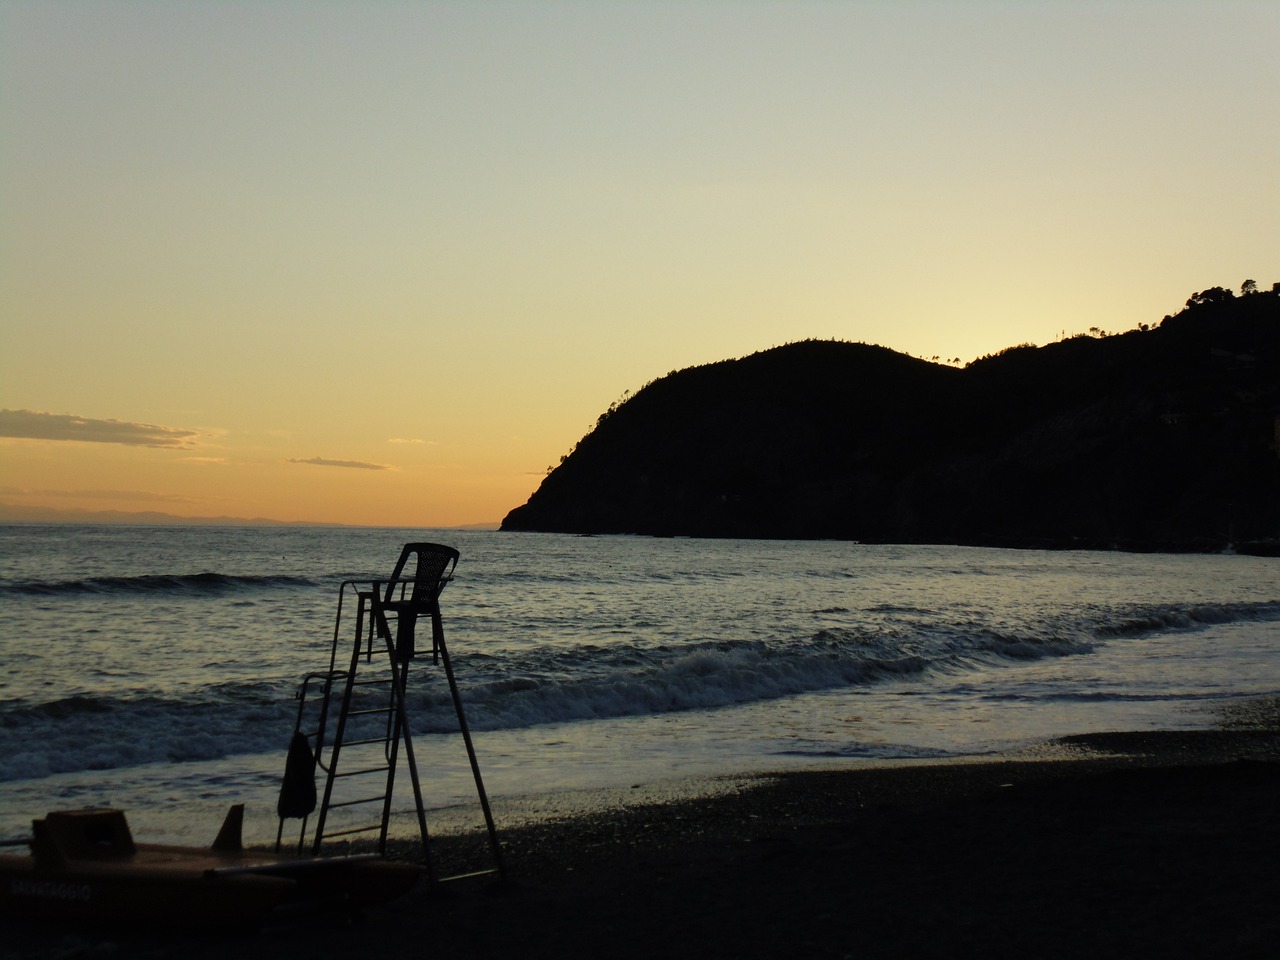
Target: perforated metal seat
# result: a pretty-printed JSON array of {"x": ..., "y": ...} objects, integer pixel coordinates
[{"x": 406, "y": 598}]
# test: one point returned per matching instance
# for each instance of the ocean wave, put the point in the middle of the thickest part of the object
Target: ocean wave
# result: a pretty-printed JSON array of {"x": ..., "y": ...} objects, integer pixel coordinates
[
  {"x": 541, "y": 685},
  {"x": 1144, "y": 621},
  {"x": 55, "y": 710},
  {"x": 188, "y": 584},
  {"x": 591, "y": 683},
  {"x": 104, "y": 733},
  {"x": 555, "y": 686},
  {"x": 556, "y": 682}
]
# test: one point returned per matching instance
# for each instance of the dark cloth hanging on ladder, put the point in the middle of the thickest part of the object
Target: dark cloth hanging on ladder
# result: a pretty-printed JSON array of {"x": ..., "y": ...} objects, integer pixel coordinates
[{"x": 298, "y": 787}]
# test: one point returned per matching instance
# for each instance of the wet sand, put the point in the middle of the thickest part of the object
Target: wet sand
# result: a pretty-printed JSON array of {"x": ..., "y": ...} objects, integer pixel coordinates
[{"x": 1159, "y": 844}]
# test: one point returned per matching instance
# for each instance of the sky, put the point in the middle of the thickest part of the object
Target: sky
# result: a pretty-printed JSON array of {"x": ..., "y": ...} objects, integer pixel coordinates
[{"x": 385, "y": 263}]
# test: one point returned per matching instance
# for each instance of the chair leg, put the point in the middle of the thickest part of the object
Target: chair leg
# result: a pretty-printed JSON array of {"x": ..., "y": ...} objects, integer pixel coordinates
[{"x": 438, "y": 632}]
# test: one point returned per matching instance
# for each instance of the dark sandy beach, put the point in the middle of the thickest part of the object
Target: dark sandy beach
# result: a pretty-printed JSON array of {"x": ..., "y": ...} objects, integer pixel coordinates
[{"x": 1112, "y": 845}]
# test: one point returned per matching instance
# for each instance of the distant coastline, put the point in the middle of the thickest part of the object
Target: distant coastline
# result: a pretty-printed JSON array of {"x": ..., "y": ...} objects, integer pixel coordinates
[{"x": 11, "y": 513}]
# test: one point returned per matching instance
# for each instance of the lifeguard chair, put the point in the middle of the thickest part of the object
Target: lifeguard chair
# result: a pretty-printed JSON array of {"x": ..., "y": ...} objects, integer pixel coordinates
[{"x": 353, "y": 722}]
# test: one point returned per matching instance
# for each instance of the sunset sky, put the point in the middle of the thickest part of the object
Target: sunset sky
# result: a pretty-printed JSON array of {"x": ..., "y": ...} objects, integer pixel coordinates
[{"x": 384, "y": 263}]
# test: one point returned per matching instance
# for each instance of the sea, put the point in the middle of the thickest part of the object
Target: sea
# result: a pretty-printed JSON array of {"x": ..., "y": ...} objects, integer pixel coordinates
[{"x": 156, "y": 668}]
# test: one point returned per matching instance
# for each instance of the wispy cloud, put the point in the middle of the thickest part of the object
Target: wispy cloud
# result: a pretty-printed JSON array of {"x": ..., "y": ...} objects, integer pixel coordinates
[
  {"x": 412, "y": 440},
  {"x": 354, "y": 464},
  {"x": 59, "y": 427}
]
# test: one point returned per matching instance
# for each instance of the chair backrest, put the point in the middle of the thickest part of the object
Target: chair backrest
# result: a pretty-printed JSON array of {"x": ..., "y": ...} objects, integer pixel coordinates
[{"x": 433, "y": 569}]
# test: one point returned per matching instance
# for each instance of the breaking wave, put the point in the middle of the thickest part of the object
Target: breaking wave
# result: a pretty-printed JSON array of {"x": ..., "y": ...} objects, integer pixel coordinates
[
  {"x": 183, "y": 584},
  {"x": 546, "y": 683}
]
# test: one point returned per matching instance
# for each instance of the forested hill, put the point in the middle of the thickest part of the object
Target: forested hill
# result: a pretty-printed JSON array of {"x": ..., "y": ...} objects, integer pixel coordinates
[{"x": 1161, "y": 439}]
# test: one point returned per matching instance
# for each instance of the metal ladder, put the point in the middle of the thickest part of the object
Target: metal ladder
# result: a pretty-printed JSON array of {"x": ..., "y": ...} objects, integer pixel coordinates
[{"x": 352, "y": 723}]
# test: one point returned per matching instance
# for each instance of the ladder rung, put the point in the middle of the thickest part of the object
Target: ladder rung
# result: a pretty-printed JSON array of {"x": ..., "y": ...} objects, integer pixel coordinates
[
  {"x": 376, "y": 711},
  {"x": 355, "y": 803},
  {"x": 365, "y": 743},
  {"x": 361, "y": 773},
  {"x": 351, "y": 830}
]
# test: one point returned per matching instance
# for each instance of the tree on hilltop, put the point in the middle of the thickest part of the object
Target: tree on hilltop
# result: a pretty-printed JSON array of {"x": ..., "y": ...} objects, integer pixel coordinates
[{"x": 1212, "y": 295}]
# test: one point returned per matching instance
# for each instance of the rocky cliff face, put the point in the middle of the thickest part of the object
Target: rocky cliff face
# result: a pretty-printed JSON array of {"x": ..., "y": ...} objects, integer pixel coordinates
[{"x": 1153, "y": 439}]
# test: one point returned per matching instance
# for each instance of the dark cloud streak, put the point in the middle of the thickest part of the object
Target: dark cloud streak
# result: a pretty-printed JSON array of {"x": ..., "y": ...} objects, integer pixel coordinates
[
  {"x": 61, "y": 427},
  {"x": 353, "y": 464}
]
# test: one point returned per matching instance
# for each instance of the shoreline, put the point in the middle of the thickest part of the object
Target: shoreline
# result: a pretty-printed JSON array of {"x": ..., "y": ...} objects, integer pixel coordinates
[{"x": 1113, "y": 845}]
